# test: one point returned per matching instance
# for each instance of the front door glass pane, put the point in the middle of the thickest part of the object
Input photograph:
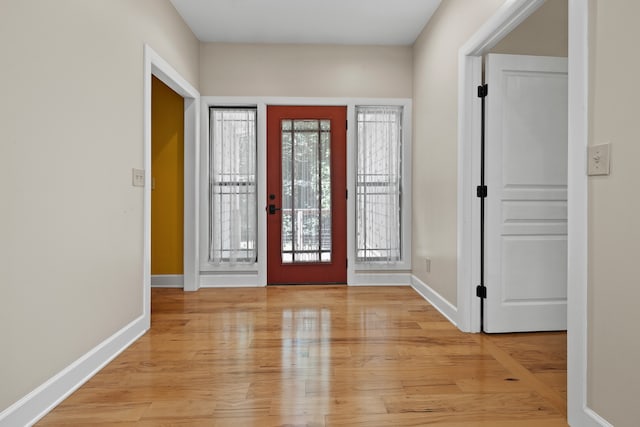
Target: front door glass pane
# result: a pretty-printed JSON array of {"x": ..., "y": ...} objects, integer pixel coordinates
[{"x": 306, "y": 191}]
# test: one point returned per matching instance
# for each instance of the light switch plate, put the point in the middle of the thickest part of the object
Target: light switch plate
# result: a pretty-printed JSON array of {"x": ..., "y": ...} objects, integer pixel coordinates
[
  {"x": 137, "y": 177},
  {"x": 598, "y": 159}
]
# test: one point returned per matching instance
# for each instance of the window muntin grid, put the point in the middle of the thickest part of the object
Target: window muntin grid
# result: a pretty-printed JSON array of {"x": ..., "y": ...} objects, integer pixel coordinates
[{"x": 306, "y": 191}]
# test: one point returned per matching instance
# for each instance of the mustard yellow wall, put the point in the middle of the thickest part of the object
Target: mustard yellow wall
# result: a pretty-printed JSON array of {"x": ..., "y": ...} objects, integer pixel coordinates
[{"x": 167, "y": 170}]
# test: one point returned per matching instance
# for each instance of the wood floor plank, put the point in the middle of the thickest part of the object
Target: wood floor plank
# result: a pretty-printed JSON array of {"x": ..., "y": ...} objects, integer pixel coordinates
[
  {"x": 419, "y": 420},
  {"x": 319, "y": 356},
  {"x": 274, "y": 421},
  {"x": 552, "y": 396},
  {"x": 83, "y": 414},
  {"x": 180, "y": 409},
  {"x": 349, "y": 387},
  {"x": 469, "y": 407}
]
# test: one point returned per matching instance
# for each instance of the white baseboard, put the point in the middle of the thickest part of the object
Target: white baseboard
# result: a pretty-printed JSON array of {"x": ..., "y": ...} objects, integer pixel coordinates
[
  {"x": 445, "y": 308},
  {"x": 593, "y": 419},
  {"x": 369, "y": 278},
  {"x": 229, "y": 280},
  {"x": 167, "y": 281},
  {"x": 35, "y": 405},
  {"x": 233, "y": 280}
]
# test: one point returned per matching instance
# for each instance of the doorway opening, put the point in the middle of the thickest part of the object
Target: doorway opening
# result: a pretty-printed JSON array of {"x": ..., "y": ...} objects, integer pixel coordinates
[
  {"x": 155, "y": 66},
  {"x": 508, "y": 17},
  {"x": 167, "y": 186}
]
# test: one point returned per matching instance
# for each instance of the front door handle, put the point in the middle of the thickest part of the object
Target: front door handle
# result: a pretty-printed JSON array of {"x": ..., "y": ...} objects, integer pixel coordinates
[{"x": 273, "y": 209}]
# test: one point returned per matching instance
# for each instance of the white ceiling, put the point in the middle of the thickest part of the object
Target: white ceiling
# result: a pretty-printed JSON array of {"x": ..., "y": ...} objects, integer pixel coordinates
[{"x": 368, "y": 22}]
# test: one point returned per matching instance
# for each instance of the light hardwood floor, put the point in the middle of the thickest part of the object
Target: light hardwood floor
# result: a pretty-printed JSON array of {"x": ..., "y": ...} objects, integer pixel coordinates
[{"x": 320, "y": 356}]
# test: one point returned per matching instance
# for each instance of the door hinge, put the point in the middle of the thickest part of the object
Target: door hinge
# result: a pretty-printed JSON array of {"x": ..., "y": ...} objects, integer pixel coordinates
[
  {"x": 346, "y": 263},
  {"x": 481, "y": 191},
  {"x": 346, "y": 124},
  {"x": 483, "y": 90},
  {"x": 481, "y": 291},
  {"x": 346, "y": 194}
]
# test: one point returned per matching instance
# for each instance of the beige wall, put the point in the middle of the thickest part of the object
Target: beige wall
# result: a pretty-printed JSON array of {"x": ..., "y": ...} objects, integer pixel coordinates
[
  {"x": 71, "y": 124},
  {"x": 614, "y": 215},
  {"x": 545, "y": 32},
  {"x": 435, "y": 139},
  {"x": 305, "y": 70}
]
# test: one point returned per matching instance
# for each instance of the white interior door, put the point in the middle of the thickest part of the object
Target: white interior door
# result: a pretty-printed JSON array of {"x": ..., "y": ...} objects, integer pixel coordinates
[{"x": 526, "y": 206}]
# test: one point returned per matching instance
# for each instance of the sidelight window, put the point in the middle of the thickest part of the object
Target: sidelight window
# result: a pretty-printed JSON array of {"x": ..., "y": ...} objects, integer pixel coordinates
[
  {"x": 379, "y": 184},
  {"x": 232, "y": 185}
]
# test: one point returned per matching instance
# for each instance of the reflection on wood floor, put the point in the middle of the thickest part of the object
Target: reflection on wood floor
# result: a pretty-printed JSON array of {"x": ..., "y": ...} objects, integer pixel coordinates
[{"x": 320, "y": 356}]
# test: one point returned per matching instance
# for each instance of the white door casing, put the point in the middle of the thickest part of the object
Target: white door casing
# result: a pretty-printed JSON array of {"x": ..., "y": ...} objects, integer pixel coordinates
[{"x": 526, "y": 206}]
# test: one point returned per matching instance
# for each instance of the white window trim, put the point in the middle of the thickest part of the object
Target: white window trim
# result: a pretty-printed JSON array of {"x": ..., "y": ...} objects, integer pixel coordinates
[
  {"x": 397, "y": 273},
  {"x": 406, "y": 184},
  {"x": 207, "y": 254}
]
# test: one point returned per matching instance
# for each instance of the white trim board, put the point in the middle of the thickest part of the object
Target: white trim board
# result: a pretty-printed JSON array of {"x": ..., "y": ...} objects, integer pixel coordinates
[
  {"x": 379, "y": 278},
  {"x": 167, "y": 281},
  {"x": 579, "y": 413},
  {"x": 35, "y": 405},
  {"x": 448, "y": 310},
  {"x": 231, "y": 280},
  {"x": 501, "y": 23},
  {"x": 248, "y": 280}
]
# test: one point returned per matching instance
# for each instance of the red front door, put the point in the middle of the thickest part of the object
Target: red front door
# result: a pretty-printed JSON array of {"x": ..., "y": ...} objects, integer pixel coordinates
[{"x": 306, "y": 195}]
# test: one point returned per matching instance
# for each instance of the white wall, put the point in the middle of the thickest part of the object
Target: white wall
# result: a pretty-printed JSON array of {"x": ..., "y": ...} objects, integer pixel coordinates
[
  {"x": 71, "y": 120},
  {"x": 614, "y": 215},
  {"x": 305, "y": 70},
  {"x": 435, "y": 106}
]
